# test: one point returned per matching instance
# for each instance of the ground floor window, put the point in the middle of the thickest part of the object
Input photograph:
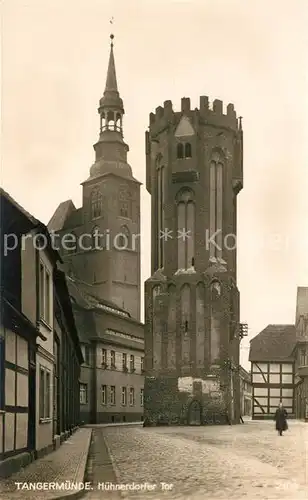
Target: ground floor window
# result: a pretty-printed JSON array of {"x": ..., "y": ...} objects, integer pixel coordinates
[
  {"x": 141, "y": 397},
  {"x": 104, "y": 394},
  {"x": 44, "y": 393},
  {"x": 131, "y": 396},
  {"x": 124, "y": 396},
  {"x": 83, "y": 394},
  {"x": 112, "y": 395}
]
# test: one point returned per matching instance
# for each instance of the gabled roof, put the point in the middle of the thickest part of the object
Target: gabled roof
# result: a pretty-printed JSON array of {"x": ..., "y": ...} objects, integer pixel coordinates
[
  {"x": 64, "y": 210},
  {"x": 29, "y": 222},
  {"x": 274, "y": 343},
  {"x": 27, "y": 215},
  {"x": 244, "y": 374}
]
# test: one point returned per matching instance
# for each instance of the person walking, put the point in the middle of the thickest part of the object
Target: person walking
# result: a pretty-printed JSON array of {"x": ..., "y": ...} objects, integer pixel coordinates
[{"x": 281, "y": 419}]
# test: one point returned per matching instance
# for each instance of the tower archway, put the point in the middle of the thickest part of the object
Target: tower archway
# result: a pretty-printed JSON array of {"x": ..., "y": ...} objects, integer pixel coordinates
[{"x": 194, "y": 413}]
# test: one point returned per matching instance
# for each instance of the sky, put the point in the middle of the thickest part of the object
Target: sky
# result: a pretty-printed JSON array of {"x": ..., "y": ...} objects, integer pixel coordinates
[{"x": 54, "y": 56}]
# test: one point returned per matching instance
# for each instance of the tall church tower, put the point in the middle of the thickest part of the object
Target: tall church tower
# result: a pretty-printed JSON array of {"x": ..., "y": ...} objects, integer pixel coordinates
[
  {"x": 194, "y": 170},
  {"x": 107, "y": 226},
  {"x": 111, "y": 202}
]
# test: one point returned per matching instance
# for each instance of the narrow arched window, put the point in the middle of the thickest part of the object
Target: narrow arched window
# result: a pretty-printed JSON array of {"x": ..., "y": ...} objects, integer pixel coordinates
[
  {"x": 125, "y": 203},
  {"x": 186, "y": 229},
  {"x": 180, "y": 151},
  {"x": 160, "y": 189},
  {"x": 187, "y": 150},
  {"x": 185, "y": 322},
  {"x": 216, "y": 205},
  {"x": 200, "y": 324},
  {"x": 96, "y": 203}
]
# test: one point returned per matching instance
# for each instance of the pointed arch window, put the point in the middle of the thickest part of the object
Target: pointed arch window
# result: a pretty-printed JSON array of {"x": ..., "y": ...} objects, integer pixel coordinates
[
  {"x": 183, "y": 150},
  {"x": 185, "y": 322},
  {"x": 96, "y": 203},
  {"x": 160, "y": 189},
  {"x": 187, "y": 150},
  {"x": 186, "y": 229},
  {"x": 180, "y": 151},
  {"x": 124, "y": 209},
  {"x": 125, "y": 203},
  {"x": 200, "y": 324},
  {"x": 216, "y": 204}
]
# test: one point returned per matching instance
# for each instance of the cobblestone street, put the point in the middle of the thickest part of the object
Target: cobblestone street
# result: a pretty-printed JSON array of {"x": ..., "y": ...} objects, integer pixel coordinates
[{"x": 244, "y": 462}]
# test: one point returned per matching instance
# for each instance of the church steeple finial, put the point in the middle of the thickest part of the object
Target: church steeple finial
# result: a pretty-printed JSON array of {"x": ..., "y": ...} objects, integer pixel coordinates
[{"x": 111, "y": 108}]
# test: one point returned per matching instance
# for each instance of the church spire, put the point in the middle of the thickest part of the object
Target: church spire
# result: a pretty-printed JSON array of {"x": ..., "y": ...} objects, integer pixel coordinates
[
  {"x": 111, "y": 80},
  {"x": 111, "y": 108},
  {"x": 110, "y": 149}
]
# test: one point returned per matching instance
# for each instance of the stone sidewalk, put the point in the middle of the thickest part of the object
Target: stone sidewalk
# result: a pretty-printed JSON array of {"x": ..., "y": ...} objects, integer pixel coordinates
[{"x": 59, "y": 474}]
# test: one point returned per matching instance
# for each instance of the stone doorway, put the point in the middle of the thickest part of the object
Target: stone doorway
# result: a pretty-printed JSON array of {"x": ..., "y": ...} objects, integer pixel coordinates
[{"x": 194, "y": 413}]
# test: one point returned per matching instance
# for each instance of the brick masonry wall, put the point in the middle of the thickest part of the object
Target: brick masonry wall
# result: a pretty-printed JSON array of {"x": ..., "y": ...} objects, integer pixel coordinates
[{"x": 168, "y": 402}]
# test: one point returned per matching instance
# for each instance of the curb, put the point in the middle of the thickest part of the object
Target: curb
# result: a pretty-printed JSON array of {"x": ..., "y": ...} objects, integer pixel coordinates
[
  {"x": 118, "y": 424},
  {"x": 83, "y": 467},
  {"x": 116, "y": 470}
]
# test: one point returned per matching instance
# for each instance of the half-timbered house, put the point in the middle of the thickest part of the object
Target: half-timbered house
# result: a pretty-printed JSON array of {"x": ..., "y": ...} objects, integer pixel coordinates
[
  {"x": 273, "y": 370},
  {"x": 301, "y": 354},
  {"x": 32, "y": 291}
]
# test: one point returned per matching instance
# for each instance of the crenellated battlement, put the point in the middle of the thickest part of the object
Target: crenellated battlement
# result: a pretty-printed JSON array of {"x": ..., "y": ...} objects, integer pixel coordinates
[{"x": 207, "y": 113}]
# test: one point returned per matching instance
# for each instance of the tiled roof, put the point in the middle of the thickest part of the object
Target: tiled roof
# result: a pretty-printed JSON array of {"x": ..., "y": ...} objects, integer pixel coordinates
[
  {"x": 58, "y": 219},
  {"x": 274, "y": 343},
  {"x": 78, "y": 295},
  {"x": 88, "y": 300}
]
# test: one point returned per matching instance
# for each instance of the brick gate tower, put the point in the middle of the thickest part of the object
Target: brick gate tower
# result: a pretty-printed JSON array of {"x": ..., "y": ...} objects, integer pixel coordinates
[{"x": 194, "y": 170}]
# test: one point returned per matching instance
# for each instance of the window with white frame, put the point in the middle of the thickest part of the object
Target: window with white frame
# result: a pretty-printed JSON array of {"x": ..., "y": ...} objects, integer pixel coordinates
[
  {"x": 131, "y": 396},
  {"x": 302, "y": 359},
  {"x": 112, "y": 358},
  {"x": 142, "y": 364},
  {"x": 104, "y": 356},
  {"x": 104, "y": 394},
  {"x": 132, "y": 363},
  {"x": 112, "y": 395},
  {"x": 124, "y": 396},
  {"x": 124, "y": 361},
  {"x": 141, "y": 397},
  {"x": 83, "y": 392},
  {"x": 45, "y": 293},
  {"x": 44, "y": 393}
]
